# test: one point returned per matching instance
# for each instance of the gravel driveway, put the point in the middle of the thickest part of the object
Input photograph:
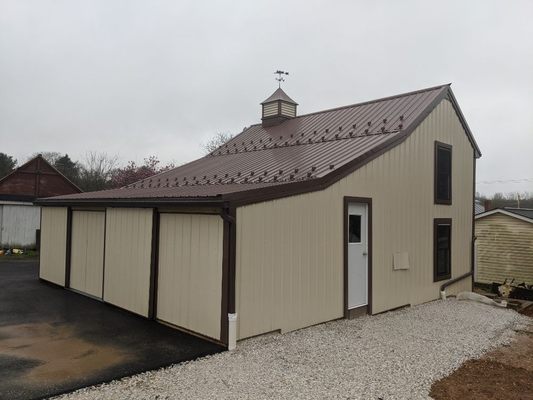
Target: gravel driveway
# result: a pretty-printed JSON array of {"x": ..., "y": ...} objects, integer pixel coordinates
[{"x": 396, "y": 355}]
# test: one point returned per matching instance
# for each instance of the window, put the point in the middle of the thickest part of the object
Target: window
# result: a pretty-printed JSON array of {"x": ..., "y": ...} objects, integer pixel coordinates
[
  {"x": 443, "y": 173},
  {"x": 442, "y": 249},
  {"x": 354, "y": 229}
]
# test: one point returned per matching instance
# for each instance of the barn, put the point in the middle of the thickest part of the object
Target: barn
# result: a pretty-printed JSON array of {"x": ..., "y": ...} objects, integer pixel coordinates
[
  {"x": 19, "y": 217},
  {"x": 297, "y": 220},
  {"x": 504, "y": 246}
]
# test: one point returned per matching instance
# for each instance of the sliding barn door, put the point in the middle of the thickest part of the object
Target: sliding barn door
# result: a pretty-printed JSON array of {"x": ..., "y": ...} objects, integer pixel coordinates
[
  {"x": 87, "y": 252},
  {"x": 190, "y": 272}
]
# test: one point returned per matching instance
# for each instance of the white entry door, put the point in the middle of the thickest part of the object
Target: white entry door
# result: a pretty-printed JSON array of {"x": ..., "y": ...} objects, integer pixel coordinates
[{"x": 357, "y": 255}]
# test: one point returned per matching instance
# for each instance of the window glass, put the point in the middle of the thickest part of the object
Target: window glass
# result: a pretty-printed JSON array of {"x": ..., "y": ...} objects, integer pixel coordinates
[
  {"x": 354, "y": 229},
  {"x": 442, "y": 251},
  {"x": 443, "y": 174}
]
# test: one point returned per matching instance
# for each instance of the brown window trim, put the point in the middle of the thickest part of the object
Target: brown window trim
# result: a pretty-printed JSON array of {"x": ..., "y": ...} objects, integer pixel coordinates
[
  {"x": 439, "y": 145},
  {"x": 436, "y": 222}
]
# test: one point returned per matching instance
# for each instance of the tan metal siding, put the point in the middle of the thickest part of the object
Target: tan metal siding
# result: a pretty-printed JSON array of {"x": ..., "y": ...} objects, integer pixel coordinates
[
  {"x": 53, "y": 244},
  {"x": 270, "y": 109},
  {"x": 290, "y": 251},
  {"x": 87, "y": 252},
  {"x": 504, "y": 249},
  {"x": 127, "y": 258},
  {"x": 190, "y": 272}
]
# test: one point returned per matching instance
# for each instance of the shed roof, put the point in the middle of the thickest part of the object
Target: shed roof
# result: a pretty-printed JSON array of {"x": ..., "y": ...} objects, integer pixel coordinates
[
  {"x": 302, "y": 154},
  {"x": 524, "y": 214}
]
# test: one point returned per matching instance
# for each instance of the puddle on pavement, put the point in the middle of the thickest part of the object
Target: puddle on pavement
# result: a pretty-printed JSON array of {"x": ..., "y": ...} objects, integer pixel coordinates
[{"x": 60, "y": 355}]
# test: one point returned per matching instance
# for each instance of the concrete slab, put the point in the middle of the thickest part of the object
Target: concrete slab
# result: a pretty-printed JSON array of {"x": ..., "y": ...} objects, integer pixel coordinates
[{"x": 54, "y": 341}]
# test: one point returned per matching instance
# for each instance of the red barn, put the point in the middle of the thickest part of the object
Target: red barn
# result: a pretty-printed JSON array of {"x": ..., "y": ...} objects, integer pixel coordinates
[{"x": 19, "y": 217}]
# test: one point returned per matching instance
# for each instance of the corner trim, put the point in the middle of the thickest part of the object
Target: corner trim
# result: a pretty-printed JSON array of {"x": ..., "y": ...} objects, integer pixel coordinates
[
  {"x": 154, "y": 266},
  {"x": 224, "y": 301},
  {"x": 68, "y": 253}
]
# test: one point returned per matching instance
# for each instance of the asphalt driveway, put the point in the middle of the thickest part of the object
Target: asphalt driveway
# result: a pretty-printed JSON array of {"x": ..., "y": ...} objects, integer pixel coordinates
[{"x": 53, "y": 340}]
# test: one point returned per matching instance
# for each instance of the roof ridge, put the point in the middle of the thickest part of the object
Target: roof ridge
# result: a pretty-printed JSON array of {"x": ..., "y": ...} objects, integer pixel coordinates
[
  {"x": 374, "y": 101},
  {"x": 338, "y": 108},
  {"x": 303, "y": 143}
]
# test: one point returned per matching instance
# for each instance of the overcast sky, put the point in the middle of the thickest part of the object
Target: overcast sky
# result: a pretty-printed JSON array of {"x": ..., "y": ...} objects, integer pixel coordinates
[{"x": 140, "y": 78}]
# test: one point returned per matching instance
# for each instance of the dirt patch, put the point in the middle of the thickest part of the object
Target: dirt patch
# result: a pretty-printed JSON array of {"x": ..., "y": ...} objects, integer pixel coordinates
[
  {"x": 58, "y": 355},
  {"x": 527, "y": 311},
  {"x": 505, "y": 373},
  {"x": 484, "y": 379}
]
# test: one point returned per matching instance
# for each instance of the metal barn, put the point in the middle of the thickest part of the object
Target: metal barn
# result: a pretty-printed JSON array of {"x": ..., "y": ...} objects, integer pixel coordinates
[{"x": 296, "y": 221}]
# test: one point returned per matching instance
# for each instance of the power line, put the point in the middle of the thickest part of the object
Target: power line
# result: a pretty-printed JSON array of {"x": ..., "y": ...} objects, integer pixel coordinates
[{"x": 524, "y": 180}]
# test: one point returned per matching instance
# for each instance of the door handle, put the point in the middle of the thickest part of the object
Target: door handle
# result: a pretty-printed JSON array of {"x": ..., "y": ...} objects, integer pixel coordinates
[{"x": 365, "y": 253}]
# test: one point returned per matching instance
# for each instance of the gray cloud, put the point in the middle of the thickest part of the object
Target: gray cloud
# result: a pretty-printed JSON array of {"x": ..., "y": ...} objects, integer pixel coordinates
[{"x": 159, "y": 77}]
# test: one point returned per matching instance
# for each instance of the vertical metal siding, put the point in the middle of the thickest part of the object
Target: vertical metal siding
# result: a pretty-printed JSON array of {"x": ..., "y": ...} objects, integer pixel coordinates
[
  {"x": 18, "y": 224},
  {"x": 504, "y": 249},
  {"x": 127, "y": 258},
  {"x": 290, "y": 251},
  {"x": 190, "y": 272},
  {"x": 53, "y": 244},
  {"x": 87, "y": 252}
]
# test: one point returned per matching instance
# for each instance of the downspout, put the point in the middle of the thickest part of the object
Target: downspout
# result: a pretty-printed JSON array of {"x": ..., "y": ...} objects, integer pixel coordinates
[
  {"x": 472, "y": 248},
  {"x": 229, "y": 216},
  {"x": 451, "y": 282}
]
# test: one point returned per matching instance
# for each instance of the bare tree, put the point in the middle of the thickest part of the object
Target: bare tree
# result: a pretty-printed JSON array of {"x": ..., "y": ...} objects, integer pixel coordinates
[
  {"x": 50, "y": 156},
  {"x": 96, "y": 171},
  {"x": 216, "y": 141}
]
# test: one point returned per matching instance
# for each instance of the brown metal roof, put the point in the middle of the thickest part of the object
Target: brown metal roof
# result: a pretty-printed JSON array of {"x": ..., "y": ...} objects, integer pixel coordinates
[
  {"x": 279, "y": 94},
  {"x": 302, "y": 154}
]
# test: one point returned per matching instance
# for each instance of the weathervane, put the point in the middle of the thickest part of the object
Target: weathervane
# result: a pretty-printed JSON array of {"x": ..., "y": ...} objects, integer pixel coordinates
[{"x": 280, "y": 76}]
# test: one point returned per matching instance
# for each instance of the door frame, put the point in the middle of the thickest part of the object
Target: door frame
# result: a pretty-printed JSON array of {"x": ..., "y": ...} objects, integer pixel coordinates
[
  {"x": 225, "y": 265},
  {"x": 368, "y": 201}
]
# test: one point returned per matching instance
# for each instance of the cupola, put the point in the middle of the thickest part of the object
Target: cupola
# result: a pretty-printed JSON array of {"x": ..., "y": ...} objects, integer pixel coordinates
[{"x": 278, "y": 108}]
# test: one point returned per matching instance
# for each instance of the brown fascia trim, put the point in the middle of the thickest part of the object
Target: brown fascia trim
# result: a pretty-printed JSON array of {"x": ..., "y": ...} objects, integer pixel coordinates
[
  {"x": 133, "y": 202},
  {"x": 436, "y": 222},
  {"x": 462, "y": 119},
  {"x": 449, "y": 147},
  {"x": 473, "y": 248}
]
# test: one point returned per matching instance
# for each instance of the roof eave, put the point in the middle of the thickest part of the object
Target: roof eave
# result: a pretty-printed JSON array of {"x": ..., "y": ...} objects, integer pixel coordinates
[
  {"x": 133, "y": 202},
  {"x": 462, "y": 119},
  {"x": 503, "y": 212}
]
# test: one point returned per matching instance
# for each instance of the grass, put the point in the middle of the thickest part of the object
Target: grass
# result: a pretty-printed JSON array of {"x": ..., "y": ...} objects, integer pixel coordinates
[{"x": 28, "y": 255}]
